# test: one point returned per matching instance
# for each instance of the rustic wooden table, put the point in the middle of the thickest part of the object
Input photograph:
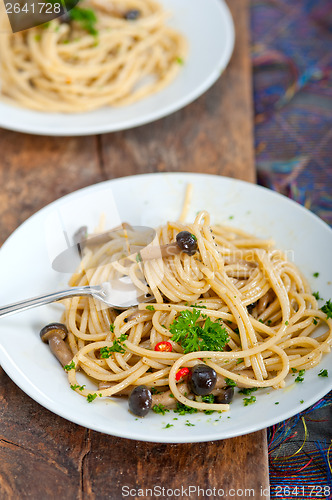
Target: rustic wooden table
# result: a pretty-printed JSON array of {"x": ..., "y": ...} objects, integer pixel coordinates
[{"x": 42, "y": 456}]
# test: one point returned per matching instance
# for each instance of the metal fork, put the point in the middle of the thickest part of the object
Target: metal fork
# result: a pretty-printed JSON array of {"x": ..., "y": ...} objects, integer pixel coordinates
[{"x": 119, "y": 294}]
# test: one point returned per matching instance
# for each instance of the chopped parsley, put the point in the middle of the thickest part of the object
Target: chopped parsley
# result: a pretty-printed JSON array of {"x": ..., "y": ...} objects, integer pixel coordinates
[
  {"x": 160, "y": 409},
  {"x": 323, "y": 373},
  {"x": 302, "y": 401},
  {"x": 300, "y": 378},
  {"x": 71, "y": 366},
  {"x": 193, "y": 337},
  {"x": 179, "y": 60},
  {"x": 167, "y": 426},
  {"x": 230, "y": 382},
  {"x": 118, "y": 346},
  {"x": 327, "y": 309},
  {"x": 315, "y": 322},
  {"x": 138, "y": 257},
  {"x": 248, "y": 390},
  {"x": 111, "y": 327},
  {"x": 86, "y": 18},
  {"x": 154, "y": 390},
  {"x": 294, "y": 370},
  {"x": 76, "y": 386},
  {"x": 189, "y": 424},
  {"x": 209, "y": 398},
  {"x": 276, "y": 403},
  {"x": 315, "y": 275},
  {"x": 91, "y": 397},
  {"x": 286, "y": 323},
  {"x": 150, "y": 308},
  {"x": 317, "y": 296},
  {"x": 249, "y": 401},
  {"x": 182, "y": 409}
]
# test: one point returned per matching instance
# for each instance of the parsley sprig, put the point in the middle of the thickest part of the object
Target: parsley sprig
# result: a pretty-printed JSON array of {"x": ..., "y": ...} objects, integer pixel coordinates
[
  {"x": 118, "y": 346},
  {"x": 327, "y": 309},
  {"x": 85, "y": 17},
  {"x": 193, "y": 337}
]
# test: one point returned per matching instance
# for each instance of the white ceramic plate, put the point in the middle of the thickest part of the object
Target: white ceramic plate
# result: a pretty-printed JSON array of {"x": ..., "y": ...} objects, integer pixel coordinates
[
  {"x": 25, "y": 270},
  {"x": 208, "y": 27}
]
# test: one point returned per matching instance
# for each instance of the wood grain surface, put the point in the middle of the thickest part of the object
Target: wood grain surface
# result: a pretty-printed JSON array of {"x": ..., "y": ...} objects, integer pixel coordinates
[{"x": 43, "y": 456}]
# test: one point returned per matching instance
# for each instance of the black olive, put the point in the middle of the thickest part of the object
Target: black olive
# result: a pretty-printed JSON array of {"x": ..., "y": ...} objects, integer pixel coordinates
[
  {"x": 225, "y": 397},
  {"x": 203, "y": 379},
  {"x": 187, "y": 242},
  {"x": 132, "y": 15},
  {"x": 140, "y": 400}
]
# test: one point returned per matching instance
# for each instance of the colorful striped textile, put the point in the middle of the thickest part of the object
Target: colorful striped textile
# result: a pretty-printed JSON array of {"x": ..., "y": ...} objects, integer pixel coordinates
[{"x": 292, "y": 61}]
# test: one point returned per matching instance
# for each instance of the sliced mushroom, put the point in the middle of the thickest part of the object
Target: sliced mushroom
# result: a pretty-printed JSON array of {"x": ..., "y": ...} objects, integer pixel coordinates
[{"x": 54, "y": 334}]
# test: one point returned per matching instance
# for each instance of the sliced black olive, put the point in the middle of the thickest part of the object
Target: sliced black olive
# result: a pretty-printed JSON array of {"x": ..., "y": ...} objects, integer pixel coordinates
[
  {"x": 187, "y": 242},
  {"x": 140, "y": 401},
  {"x": 203, "y": 379},
  {"x": 225, "y": 397},
  {"x": 132, "y": 15}
]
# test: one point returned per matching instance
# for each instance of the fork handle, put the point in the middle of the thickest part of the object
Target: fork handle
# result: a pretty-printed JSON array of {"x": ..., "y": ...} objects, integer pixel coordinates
[{"x": 48, "y": 298}]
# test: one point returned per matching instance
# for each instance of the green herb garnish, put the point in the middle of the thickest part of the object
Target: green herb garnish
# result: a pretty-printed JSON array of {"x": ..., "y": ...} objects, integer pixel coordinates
[
  {"x": 193, "y": 337},
  {"x": 111, "y": 327},
  {"x": 315, "y": 275},
  {"x": 76, "y": 386},
  {"x": 91, "y": 397},
  {"x": 118, "y": 346},
  {"x": 317, "y": 296},
  {"x": 248, "y": 390},
  {"x": 150, "y": 308},
  {"x": 182, "y": 409},
  {"x": 300, "y": 378},
  {"x": 327, "y": 309},
  {"x": 160, "y": 409},
  {"x": 85, "y": 17},
  {"x": 71, "y": 366},
  {"x": 189, "y": 424},
  {"x": 323, "y": 373},
  {"x": 230, "y": 382},
  {"x": 249, "y": 401},
  {"x": 167, "y": 426}
]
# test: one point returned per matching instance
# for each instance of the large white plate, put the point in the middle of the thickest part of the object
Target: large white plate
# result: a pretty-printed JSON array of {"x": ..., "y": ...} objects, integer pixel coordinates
[
  {"x": 208, "y": 27},
  {"x": 25, "y": 270}
]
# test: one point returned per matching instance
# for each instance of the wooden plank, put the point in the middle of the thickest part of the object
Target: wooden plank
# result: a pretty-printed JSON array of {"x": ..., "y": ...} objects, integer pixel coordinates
[
  {"x": 44, "y": 456},
  {"x": 35, "y": 171}
]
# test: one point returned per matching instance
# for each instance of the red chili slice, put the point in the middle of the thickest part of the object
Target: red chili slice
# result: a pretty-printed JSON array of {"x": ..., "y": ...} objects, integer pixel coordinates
[
  {"x": 164, "y": 347},
  {"x": 183, "y": 372}
]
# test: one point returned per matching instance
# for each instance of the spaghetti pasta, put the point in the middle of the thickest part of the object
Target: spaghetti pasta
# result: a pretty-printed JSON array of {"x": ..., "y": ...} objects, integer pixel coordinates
[
  {"x": 235, "y": 284},
  {"x": 62, "y": 67}
]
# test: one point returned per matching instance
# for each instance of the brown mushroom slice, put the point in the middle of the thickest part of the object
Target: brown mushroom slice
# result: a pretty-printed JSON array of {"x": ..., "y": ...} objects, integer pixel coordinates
[
  {"x": 54, "y": 334},
  {"x": 166, "y": 399}
]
